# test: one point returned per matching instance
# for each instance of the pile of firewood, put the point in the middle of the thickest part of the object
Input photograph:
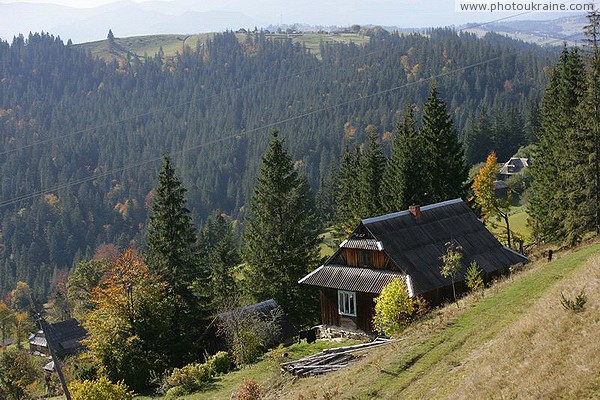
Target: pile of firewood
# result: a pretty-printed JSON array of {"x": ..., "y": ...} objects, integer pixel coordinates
[{"x": 329, "y": 359}]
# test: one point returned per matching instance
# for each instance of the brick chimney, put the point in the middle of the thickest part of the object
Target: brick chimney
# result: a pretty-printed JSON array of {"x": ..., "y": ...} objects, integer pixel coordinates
[{"x": 415, "y": 210}]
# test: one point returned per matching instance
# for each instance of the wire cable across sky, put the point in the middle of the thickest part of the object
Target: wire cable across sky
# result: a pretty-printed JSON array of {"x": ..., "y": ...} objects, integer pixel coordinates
[{"x": 140, "y": 163}]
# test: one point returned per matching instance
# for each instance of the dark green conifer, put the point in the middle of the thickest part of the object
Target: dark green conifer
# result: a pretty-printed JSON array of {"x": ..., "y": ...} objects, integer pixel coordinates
[
  {"x": 173, "y": 254},
  {"x": 347, "y": 196},
  {"x": 281, "y": 238},
  {"x": 220, "y": 256},
  {"x": 445, "y": 167},
  {"x": 403, "y": 176},
  {"x": 549, "y": 203},
  {"x": 372, "y": 165}
]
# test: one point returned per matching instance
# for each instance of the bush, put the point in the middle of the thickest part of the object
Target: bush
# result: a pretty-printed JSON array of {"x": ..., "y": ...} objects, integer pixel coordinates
[
  {"x": 191, "y": 377},
  {"x": 100, "y": 389},
  {"x": 473, "y": 278},
  {"x": 218, "y": 363},
  {"x": 249, "y": 390},
  {"x": 247, "y": 348},
  {"x": 81, "y": 367},
  {"x": 17, "y": 372},
  {"x": 394, "y": 308},
  {"x": 574, "y": 305}
]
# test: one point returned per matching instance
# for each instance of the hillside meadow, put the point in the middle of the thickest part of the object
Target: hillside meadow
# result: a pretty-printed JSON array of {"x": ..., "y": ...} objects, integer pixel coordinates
[{"x": 516, "y": 342}]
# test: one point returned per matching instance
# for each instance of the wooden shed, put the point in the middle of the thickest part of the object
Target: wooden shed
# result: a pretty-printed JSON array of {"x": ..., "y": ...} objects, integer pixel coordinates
[{"x": 407, "y": 245}]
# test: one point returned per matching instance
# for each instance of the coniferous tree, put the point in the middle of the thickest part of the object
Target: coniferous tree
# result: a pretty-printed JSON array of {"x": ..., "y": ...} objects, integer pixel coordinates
[
  {"x": 347, "y": 196},
  {"x": 446, "y": 170},
  {"x": 402, "y": 180},
  {"x": 220, "y": 255},
  {"x": 549, "y": 203},
  {"x": 584, "y": 146},
  {"x": 478, "y": 139},
  {"x": 372, "y": 165},
  {"x": 173, "y": 255},
  {"x": 281, "y": 237}
]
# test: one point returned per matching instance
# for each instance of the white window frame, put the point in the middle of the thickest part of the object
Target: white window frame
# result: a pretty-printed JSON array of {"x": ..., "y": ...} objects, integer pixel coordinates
[{"x": 342, "y": 296}]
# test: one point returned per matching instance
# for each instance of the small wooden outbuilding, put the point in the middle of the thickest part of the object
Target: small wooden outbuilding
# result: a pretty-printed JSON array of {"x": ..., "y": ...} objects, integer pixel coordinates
[{"x": 406, "y": 245}]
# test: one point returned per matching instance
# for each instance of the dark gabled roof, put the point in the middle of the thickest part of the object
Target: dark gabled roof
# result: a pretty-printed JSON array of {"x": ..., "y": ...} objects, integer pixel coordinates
[
  {"x": 65, "y": 336},
  {"x": 415, "y": 244},
  {"x": 263, "y": 307},
  {"x": 350, "y": 278}
]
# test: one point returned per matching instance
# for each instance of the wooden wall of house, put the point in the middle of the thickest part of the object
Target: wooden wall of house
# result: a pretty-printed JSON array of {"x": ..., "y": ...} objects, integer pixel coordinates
[
  {"x": 329, "y": 308},
  {"x": 361, "y": 258},
  {"x": 365, "y": 311}
]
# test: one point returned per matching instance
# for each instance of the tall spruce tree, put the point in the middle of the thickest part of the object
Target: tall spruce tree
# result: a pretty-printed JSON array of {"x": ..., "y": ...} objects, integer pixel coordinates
[
  {"x": 372, "y": 165},
  {"x": 553, "y": 156},
  {"x": 478, "y": 138},
  {"x": 220, "y": 256},
  {"x": 589, "y": 138},
  {"x": 402, "y": 180},
  {"x": 347, "y": 196},
  {"x": 446, "y": 170},
  {"x": 173, "y": 255},
  {"x": 281, "y": 238}
]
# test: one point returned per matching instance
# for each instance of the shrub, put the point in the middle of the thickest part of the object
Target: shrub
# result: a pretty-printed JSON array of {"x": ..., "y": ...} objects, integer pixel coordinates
[
  {"x": 17, "y": 372},
  {"x": 394, "y": 308},
  {"x": 247, "y": 348},
  {"x": 473, "y": 278},
  {"x": 190, "y": 378},
  {"x": 218, "y": 363},
  {"x": 249, "y": 390},
  {"x": 574, "y": 305},
  {"x": 100, "y": 389},
  {"x": 176, "y": 391}
]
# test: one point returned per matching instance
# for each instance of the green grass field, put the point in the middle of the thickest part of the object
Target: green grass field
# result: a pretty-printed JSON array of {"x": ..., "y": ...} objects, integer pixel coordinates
[{"x": 173, "y": 44}]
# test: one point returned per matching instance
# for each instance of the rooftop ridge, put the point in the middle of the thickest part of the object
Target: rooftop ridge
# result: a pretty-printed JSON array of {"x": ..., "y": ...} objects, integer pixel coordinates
[{"x": 406, "y": 212}]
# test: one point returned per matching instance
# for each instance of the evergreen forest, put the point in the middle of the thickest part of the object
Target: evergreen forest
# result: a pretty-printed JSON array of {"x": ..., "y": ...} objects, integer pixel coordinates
[{"x": 82, "y": 138}]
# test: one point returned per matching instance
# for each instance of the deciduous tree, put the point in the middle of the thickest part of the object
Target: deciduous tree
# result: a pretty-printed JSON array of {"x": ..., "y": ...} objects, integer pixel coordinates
[
  {"x": 394, "y": 308},
  {"x": 130, "y": 325},
  {"x": 491, "y": 205}
]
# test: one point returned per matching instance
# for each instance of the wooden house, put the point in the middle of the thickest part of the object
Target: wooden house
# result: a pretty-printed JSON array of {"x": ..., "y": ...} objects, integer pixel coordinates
[
  {"x": 65, "y": 336},
  {"x": 406, "y": 245},
  {"x": 514, "y": 166}
]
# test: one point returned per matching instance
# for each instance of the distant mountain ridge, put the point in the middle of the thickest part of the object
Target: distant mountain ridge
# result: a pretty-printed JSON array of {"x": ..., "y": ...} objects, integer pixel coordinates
[
  {"x": 129, "y": 18},
  {"x": 569, "y": 29},
  {"x": 125, "y": 18}
]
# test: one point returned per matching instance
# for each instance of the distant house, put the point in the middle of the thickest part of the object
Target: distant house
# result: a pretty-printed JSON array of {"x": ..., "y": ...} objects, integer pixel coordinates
[
  {"x": 65, "y": 336},
  {"x": 241, "y": 30},
  {"x": 513, "y": 166},
  {"x": 405, "y": 245}
]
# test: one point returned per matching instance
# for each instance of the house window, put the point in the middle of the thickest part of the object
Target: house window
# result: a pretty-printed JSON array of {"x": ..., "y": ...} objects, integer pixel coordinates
[{"x": 347, "y": 303}]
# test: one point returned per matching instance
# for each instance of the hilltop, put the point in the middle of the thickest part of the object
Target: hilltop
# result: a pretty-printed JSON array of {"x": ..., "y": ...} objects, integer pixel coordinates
[{"x": 171, "y": 45}]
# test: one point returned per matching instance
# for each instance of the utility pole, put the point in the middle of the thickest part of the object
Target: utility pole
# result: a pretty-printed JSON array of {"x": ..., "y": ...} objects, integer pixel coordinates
[{"x": 50, "y": 341}]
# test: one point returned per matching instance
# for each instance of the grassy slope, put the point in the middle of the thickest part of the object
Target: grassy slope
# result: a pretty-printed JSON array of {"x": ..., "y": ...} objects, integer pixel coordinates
[
  {"x": 171, "y": 44},
  {"x": 262, "y": 371},
  {"x": 516, "y": 342}
]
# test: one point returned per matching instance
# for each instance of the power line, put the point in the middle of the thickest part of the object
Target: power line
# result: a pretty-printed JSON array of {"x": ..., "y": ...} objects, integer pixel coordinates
[
  {"x": 263, "y": 127},
  {"x": 207, "y": 97}
]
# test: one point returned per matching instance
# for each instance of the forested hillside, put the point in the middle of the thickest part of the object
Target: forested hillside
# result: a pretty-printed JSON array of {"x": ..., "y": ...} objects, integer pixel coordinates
[{"x": 97, "y": 130}]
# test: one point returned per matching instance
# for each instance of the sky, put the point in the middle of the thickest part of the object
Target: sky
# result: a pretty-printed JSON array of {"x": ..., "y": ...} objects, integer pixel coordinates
[{"x": 87, "y": 20}]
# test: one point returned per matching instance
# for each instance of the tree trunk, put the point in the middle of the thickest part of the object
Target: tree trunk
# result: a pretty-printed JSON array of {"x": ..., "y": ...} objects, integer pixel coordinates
[{"x": 507, "y": 230}]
